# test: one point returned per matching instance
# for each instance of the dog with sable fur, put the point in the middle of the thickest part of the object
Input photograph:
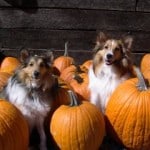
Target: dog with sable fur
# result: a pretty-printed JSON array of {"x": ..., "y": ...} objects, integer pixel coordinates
[
  {"x": 29, "y": 89},
  {"x": 111, "y": 66}
]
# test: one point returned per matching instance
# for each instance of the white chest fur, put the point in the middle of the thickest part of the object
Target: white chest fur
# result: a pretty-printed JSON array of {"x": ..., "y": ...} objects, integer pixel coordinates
[
  {"x": 33, "y": 105},
  {"x": 103, "y": 84}
]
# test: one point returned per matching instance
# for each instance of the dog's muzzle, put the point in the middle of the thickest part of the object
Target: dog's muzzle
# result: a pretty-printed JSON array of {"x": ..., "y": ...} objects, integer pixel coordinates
[
  {"x": 36, "y": 74},
  {"x": 109, "y": 59}
]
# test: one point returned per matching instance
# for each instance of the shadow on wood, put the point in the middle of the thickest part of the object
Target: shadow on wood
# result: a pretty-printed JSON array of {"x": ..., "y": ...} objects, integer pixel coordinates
[{"x": 24, "y": 4}]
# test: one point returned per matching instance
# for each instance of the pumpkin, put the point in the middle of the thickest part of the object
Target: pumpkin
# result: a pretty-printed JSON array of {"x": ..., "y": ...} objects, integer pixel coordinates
[
  {"x": 128, "y": 114},
  {"x": 9, "y": 64},
  {"x": 78, "y": 126},
  {"x": 80, "y": 83},
  {"x": 87, "y": 64},
  {"x": 68, "y": 73},
  {"x": 14, "y": 133},
  {"x": 64, "y": 61},
  {"x": 145, "y": 62},
  {"x": 60, "y": 93},
  {"x": 146, "y": 74},
  {"x": 4, "y": 76}
]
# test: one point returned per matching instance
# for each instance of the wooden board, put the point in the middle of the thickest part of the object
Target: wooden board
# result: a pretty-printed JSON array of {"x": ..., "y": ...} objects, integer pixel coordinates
[
  {"x": 55, "y": 39},
  {"x": 74, "y": 19},
  {"x": 88, "y": 4},
  {"x": 143, "y": 5}
]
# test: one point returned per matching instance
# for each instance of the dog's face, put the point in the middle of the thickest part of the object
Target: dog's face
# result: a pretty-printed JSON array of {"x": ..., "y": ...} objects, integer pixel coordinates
[
  {"x": 111, "y": 51},
  {"x": 35, "y": 69}
]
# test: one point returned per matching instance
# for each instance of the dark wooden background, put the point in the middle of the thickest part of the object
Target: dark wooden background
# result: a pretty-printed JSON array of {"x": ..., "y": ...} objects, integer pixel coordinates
[{"x": 48, "y": 24}]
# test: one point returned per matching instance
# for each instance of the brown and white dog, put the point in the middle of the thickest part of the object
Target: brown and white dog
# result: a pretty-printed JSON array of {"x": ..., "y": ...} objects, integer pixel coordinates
[
  {"x": 111, "y": 66},
  {"x": 29, "y": 89}
]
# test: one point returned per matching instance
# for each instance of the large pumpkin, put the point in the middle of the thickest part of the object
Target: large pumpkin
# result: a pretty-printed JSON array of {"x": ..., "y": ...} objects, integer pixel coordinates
[
  {"x": 145, "y": 62},
  {"x": 79, "y": 126},
  {"x": 62, "y": 62},
  {"x": 14, "y": 134},
  {"x": 9, "y": 64},
  {"x": 128, "y": 114}
]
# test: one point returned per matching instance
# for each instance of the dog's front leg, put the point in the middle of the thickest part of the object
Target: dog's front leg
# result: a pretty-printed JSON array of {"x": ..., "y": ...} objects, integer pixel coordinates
[{"x": 40, "y": 128}]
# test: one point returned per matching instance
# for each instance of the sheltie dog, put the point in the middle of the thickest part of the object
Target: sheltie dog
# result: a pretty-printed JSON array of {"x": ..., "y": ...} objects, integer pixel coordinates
[
  {"x": 111, "y": 66},
  {"x": 29, "y": 89}
]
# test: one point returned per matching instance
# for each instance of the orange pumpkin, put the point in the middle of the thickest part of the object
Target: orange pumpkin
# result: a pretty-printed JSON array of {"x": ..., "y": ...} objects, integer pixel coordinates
[
  {"x": 9, "y": 64},
  {"x": 64, "y": 61},
  {"x": 146, "y": 73},
  {"x": 145, "y": 62},
  {"x": 128, "y": 113},
  {"x": 60, "y": 93},
  {"x": 80, "y": 86},
  {"x": 14, "y": 133},
  {"x": 87, "y": 64},
  {"x": 4, "y": 76},
  {"x": 68, "y": 73},
  {"x": 78, "y": 126}
]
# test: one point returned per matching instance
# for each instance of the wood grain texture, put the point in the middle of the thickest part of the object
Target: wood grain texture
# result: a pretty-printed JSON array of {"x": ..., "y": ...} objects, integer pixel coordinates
[
  {"x": 55, "y": 39},
  {"x": 74, "y": 19},
  {"x": 86, "y": 4},
  {"x": 143, "y": 5}
]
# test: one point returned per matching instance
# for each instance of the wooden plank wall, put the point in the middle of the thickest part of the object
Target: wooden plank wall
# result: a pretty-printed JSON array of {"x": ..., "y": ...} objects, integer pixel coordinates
[{"x": 48, "y": 24}]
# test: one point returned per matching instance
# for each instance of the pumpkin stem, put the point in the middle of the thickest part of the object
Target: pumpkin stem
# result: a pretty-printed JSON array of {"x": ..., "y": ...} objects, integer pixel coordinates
[
  {"x": 66, "y": 49},
  {"x": 142, "y": 83},
  {"x": 78, "y": 78},
  {"x": 74, "y": 99}
]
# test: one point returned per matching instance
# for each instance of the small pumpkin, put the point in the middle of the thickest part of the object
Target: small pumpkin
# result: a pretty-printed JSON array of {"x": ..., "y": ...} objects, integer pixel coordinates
[
  {"x": 145, "y": 62},
  {"x": 78, "y": 126},
  {"x": 60, "y": 93},
  {"x": 87, "y": 64},
  {"x": 68, "y": 74},
  {"x": 80, "y": 83},
  {"x": 128, "y": 113},
  {"x": 14, "y": 133},
  {"x": 64, "y": 61},
  {"x": 9, "y": 64}
]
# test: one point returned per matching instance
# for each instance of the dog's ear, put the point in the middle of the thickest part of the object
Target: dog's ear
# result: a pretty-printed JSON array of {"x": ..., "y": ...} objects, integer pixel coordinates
[
  {"x": 100, "y": 40},
  {"x": 49, "y": 56},
  {"x": 24, "y": 54},
  {"x": 128, "y": 40}
]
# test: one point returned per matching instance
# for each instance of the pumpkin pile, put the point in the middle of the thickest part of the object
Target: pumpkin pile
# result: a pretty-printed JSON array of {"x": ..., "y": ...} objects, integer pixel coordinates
[
  {"x": 77, "y": 124},
  {"x": 76, "y": 76}
]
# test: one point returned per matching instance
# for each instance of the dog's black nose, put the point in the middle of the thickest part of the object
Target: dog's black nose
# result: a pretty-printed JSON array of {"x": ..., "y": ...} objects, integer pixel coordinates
[
  {"x": 36, "y": 74},
  {"x": 109, "y": 56}
]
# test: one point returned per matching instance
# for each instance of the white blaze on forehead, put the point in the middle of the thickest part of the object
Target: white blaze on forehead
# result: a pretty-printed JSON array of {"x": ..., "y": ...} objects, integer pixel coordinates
[{"x": 112, "y": 44}]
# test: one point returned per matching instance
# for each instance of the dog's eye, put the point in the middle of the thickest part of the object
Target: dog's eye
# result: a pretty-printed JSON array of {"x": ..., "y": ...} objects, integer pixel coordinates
[
  {"x": 31, "y": 64},
  {"x": 106, "y": 47}
]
